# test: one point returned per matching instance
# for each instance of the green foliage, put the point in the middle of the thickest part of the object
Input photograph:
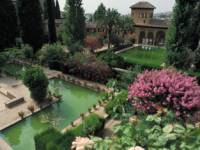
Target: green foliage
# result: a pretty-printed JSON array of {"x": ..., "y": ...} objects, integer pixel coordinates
[
  {"x": 28, "y": 51},
  {"x": 53, "y": 55},
  {"x": 152, "y": 132},
  {"x": 54, "y": 140},
  {"x": 43, "y": 138},
  {"x": 32, "y": 29},
  {"x": 57, "y": 11},
  {"x": 35, "y": 79},
  {"x": 183, "y": 36},
  {"x": 13, "y": 70},
  {"x": 100, "y": 13},
  {"x": 126, "y": 78},
  {"x": 51, "y": 21},
  {"x": 3, "y": 59},
  {"x": 8, "y": 24},
  {"x": 75, "y": 47},
  {"x": 74, "y": 22},
  {"x": 116, "y": 106},
  {"x": 112, "y": 59},
  {"x": 126, "y": 24},
  {"x": 87, "y": 66}
]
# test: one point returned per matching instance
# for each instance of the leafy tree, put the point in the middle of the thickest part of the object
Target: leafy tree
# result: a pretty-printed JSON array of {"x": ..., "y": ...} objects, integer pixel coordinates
[
  {"x": 53, "y": 55},
  {"x": 31, "y": 22},
  {"x": 45, "y": 11},
  {"x": 92, "y": 42},
  {"x": 74, "y": 22},
  {"x": 183, "y": 38},
  {"x": 8, "y": 24},
  {"x": 107, "y": 19},
  {"x": 126, "y": 24},
  {"x": 57, "y": 10},
  {"x": 35, "y": 79},
  {"x": 100, "y": 13},
  {"x": 51, "y": 21}
]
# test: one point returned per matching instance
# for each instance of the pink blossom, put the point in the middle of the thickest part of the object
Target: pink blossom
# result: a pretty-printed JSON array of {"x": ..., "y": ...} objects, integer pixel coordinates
[{"x": 165, "y": 87}]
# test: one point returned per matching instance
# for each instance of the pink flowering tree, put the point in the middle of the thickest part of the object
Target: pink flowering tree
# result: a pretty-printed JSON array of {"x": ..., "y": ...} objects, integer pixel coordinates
[{"x": 167, "y": 88}]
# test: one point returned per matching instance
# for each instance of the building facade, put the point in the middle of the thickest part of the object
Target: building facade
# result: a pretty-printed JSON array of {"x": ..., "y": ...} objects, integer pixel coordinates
[{"x": 147, "y": 29}]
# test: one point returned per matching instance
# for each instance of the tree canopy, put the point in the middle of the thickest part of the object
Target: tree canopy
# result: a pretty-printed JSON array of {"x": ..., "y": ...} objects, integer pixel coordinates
[
  {"x": 57, "y": 10},
  {"x": 74, "y": 22},
  {"x": 30, "y": 17},
  {"x": 35, "y": 79},
  {"x": 8, "y": 24},
  {"x": 51, "y": 21},
  {"x": 183, "y": 36}
]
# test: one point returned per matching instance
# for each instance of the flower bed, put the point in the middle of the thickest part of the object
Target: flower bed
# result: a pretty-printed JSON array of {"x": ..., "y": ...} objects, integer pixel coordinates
[{"x": 167, "y": 88}]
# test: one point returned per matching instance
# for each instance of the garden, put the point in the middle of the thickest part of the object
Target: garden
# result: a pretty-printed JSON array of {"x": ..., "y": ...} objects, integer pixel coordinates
[{"x": 153, "y": 93}]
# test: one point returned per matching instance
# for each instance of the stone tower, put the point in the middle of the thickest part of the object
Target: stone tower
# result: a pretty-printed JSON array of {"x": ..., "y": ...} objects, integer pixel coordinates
[{"x": 142, "y": 12}]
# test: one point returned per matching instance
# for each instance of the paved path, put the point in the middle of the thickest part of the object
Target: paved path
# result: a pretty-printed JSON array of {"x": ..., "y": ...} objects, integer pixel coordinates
[
  {"x": 4, "y": 145},
  {"x": 105, "y": 48},
  {"x": 108, "y": 128}
]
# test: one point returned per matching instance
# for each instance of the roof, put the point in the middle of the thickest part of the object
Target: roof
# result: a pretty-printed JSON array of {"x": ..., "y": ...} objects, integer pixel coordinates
[
  {"x": 159, "y": 22},
  {"x": 143, "y": 4},
  {"x": 155, "y": 23}
]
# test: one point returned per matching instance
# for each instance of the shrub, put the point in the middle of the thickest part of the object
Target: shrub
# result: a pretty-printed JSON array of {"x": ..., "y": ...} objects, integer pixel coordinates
[
  {"x": 88, "y": 67},
  {"x": 54, "y": 140},
  {"x": 92, "y": 42},
  {"x": 35, "y": 79},
  {"x": 167, "y": 88},
  {"x": 115, "y": 107},
  {"x": 112, "y": 59},
  {"x": 28, "y": 51},
  {"x": 3, "y": 59},
  {"x": 53, "y": 55},
  {"x": 43, "y": 139},
  {"x": 152, "y": 133},
  {"x": 75, "y": 47}
]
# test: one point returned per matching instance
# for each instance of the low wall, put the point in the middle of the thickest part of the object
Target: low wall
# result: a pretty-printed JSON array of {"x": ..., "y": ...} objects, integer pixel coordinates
[{"x": 84, "y": 83}]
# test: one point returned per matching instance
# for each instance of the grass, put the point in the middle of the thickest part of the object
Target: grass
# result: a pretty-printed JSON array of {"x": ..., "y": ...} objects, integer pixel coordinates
[{"x": 151, "y": 58}]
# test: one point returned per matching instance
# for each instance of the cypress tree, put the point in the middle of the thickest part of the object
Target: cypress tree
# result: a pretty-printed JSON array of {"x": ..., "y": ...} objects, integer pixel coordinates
[
  {"x": 57, "y": 11},
  {"x": 45, "y": 11},
  {"x": 8, "y": 24},
  {"x": 74, "y": 22},
  {"x": 51, "y": 21},
  {"x": 182, "y": 38},
  {"x": 30, "y": 16}
]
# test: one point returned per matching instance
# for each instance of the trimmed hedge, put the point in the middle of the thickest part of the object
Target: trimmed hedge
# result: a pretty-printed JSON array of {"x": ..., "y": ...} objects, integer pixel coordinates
[
  {"x": 54, "y": 140},
  {"x": 44, "y": 139}
]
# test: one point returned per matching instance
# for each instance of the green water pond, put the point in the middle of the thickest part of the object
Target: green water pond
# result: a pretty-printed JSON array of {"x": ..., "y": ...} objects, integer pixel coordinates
[{"x": 75, "y": 100}]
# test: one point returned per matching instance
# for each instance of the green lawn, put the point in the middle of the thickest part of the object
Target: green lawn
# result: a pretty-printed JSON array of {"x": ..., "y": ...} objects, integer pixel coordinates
[{"x": 152, "y": 58}]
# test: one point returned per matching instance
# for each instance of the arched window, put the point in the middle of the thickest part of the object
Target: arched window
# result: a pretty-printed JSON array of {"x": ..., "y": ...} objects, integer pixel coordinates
[
  {"x": 160, "y": 38},
  {"x": 141, "y": 37}
]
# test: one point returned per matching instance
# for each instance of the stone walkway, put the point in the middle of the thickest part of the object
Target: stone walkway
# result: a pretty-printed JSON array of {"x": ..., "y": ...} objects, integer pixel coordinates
[
  {"x": 9, "y": 116},
  {"x": 104, "y": 48},
  {"x": 108, "y": 128},
  {"x": 4, "y": 145}
]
